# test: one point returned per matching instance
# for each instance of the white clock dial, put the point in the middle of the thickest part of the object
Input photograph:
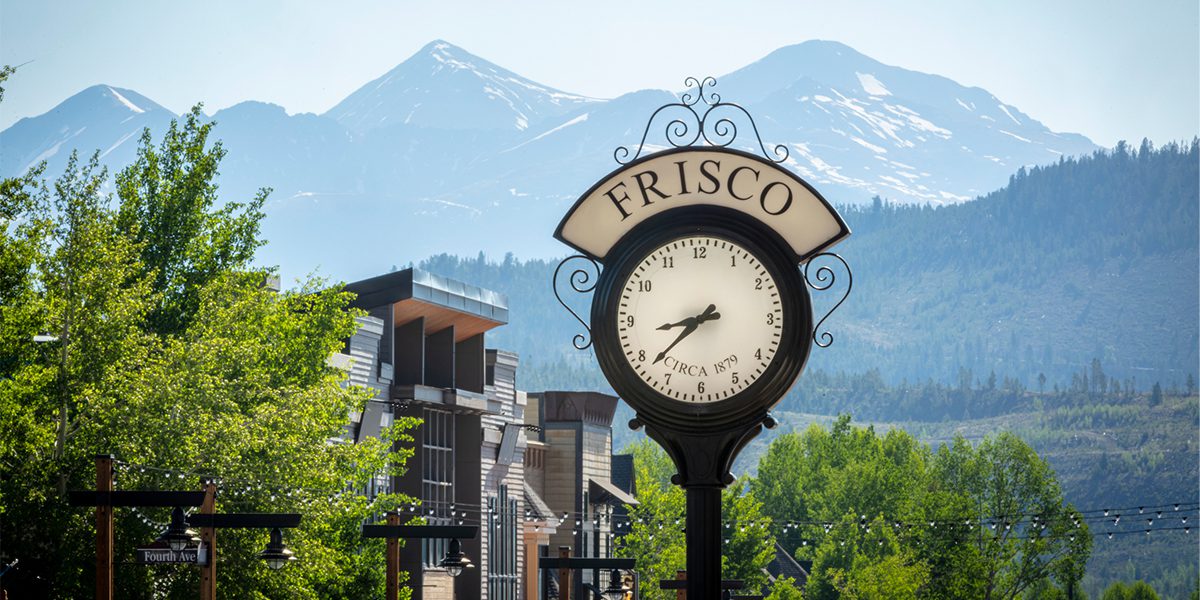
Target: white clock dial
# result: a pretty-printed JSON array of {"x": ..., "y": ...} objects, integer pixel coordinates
[{"x": 699, "y": 318}]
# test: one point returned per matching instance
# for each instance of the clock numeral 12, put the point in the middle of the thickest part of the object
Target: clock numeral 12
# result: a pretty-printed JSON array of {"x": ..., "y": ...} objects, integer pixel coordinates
[{"x": 700, "y": 252}]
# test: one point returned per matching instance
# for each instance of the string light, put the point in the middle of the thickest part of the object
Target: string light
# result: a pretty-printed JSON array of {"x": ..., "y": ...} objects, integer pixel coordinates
[{"x": 238, "y": 490}]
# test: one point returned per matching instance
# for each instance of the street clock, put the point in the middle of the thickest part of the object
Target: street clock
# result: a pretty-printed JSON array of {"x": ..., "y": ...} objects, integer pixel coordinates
[{"x": 701, "y": 316}]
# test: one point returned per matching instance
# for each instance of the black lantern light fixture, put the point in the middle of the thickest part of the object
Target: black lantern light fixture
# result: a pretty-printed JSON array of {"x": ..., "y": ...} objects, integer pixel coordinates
[
  {"x": 276, "y": 554},
  {"x": 616, "y": 589},
  {"x": 455, "y": 561},
  {"x": 178, "y": 536}
]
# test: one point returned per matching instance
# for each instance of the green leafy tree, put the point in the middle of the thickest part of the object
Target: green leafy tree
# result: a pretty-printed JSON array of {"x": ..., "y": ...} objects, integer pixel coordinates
[
  {"x": 984, "y": 521},
  {"x": 821, "y": 474},
  {"x": 201, "y": 372},
  {"x": 861, "y": 558},
  {"x": 1138, "y": 590},
  {"x": 748, "y": 544},
  {"x": 656, "y": 537},
  {"x": 5, "y": 72},
  {"x": 169, "y": 210},
  {"x": 785, "y": 588},
  {"x": 1020, "y": 531}
]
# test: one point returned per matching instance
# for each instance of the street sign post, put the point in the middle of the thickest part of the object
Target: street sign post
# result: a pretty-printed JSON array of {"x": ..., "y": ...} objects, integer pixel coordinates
[{"x": 163, "y": 556}]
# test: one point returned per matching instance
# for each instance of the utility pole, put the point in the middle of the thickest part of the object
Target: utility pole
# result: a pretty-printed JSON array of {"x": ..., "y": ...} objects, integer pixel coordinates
[
  {"x": 208, "y": 538},
  {"x": 393, "y": 559},
  {"x": 564, "y": 575},
  {"x": 104, "y": 529}
]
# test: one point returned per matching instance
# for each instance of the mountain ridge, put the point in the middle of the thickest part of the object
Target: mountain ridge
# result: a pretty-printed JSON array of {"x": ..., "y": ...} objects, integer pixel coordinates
[
  {"x": 447, "y": 141},
  {"x": 386, "y": 97}
]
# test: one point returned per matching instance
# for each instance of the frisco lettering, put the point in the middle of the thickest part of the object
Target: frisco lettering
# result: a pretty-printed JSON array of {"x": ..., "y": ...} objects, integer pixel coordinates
[{"x": 742, "y": 183}]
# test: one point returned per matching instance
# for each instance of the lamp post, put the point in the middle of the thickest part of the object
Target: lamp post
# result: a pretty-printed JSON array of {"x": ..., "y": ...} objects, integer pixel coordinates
[
  {"x": 178, "y": 535},
  {"x": 567, "y": 566},
  {"x": 105, "y": 498},
  {"x": 276, "y": 554},
  {"x": 454, "y": 562},
  {"x": 616, "y": 589}
]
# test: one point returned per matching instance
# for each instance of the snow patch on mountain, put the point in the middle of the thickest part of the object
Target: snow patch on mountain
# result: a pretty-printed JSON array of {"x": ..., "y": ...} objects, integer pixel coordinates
[
  {"x": 123, "y": 139},
  {"x": 1015, "y": 136},
  {"x": 574, "y": 121},
  {"x": 123, "y": 100},
  {"x": 871, "y": 85},
  {"x": 1010, "y": 115}
]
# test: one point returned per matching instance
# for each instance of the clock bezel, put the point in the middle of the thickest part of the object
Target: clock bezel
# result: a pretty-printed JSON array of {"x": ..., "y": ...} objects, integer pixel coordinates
[{"x": 752, "y": 402}]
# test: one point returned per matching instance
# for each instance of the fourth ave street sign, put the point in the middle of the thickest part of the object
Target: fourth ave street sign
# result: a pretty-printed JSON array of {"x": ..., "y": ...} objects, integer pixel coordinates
[{"x": 163, "y": 556}]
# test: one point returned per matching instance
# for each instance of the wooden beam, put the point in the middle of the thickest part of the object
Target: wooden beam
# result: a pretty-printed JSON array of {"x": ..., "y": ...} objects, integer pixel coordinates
[
  {"x": 393, "y": 559},
  {"x": 104, "y": 529},
  {"x": 208, "y": 537}
]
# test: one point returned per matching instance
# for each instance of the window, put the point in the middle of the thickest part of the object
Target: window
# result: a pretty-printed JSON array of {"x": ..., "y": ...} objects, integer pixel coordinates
[
  {"x": 437, "y": 479},
  {"x": 503, "y": 578}
]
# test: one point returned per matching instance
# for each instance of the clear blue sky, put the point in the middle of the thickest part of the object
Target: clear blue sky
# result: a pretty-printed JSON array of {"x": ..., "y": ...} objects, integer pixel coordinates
[{"x": 1108, "y": 69}]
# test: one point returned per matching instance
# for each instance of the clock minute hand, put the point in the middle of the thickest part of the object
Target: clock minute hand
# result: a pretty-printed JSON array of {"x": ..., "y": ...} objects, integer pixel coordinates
[{"x": 689, "y": 325}]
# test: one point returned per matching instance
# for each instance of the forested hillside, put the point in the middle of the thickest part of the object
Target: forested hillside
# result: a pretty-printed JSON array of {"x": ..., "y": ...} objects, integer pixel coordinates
[
  {"x": 1062, "y": 307},
  {"x": 1116, "y": 451},
  {"x": 1090, "y": 259}
]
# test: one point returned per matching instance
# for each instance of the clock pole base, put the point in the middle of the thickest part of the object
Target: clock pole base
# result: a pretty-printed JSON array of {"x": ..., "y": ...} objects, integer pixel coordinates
[{"x": 703, "y": 543}]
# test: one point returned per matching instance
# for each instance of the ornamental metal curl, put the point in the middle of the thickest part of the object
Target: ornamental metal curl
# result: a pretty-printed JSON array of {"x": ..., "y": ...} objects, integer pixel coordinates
[
  {"x": 822, "y": 280},
  {"x": 714, "y": 125},
  {"x": 583, "y": 282}
]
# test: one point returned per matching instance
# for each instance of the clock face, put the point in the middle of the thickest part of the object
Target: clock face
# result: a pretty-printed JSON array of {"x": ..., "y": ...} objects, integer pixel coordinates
[{"x": 699, "y": 318}]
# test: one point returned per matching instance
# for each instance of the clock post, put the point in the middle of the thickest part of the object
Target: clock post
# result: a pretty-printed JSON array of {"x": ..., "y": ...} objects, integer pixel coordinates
[{"x": 701, "y": 317}]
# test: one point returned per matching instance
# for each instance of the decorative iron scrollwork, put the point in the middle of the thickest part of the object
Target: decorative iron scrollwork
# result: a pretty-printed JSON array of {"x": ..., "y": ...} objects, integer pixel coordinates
[
  {"x": 582, "y": 279},
  {"x": 821, "y": 280},
  {"x": 700, "y": 114}
]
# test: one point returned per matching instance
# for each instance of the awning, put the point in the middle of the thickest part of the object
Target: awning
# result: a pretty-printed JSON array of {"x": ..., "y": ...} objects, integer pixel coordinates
[
  {"x": 535, "y": 505},
  {"x": 604, "y": 491}
]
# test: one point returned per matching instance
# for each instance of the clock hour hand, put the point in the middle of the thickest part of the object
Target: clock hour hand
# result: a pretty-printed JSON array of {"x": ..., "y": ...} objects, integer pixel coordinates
[
  {"x": 689, "y": 325},
  {"x": 709, "y": 314}
]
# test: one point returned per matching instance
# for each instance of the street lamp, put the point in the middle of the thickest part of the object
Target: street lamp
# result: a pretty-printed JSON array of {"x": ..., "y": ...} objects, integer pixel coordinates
[
  {"x": 178, "y": 536},
  {"x": 276, "y": 554},
  {"x": 616, "y": 589},
  {"x": 455, "y": 561}
]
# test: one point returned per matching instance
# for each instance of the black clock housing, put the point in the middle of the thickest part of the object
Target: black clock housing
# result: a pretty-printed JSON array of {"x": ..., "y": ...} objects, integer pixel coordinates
[{"x": 747, "y": 407}]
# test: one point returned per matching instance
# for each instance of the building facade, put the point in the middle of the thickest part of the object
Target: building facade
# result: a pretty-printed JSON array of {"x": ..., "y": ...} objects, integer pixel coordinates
[{"x": 533, "y": 471}]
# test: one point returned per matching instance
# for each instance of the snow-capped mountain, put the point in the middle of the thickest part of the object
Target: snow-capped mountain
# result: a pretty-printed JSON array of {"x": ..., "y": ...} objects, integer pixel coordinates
[
  {"x": 445, "y": 87},
  {"x": 100, "y": 118},
  {"x": 855, "y": 123},
  {"x": 448, "y": 147}
]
